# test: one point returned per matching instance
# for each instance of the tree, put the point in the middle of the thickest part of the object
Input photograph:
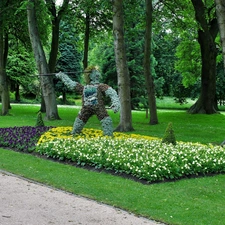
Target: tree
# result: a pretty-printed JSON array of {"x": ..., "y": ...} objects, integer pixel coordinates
[
  {"x": 3, "y": 78},
  {"x": 207, "y": 32},
  {"x": 220, "y": 12},
  {"x": 169, "y": 136},
  {"x": 204, "y": 24},
  {"x": 70, "y": 57},
  {"x": 20, "y": 65},
  {"x": 55, "y": 22},
  {"x": 164, "y": 53},
  {"x": 7, "y": 16},
  {"x": 92, "y": 17},
  {"x": 122, "y": 68},
  {"x": 147, "y": 65},
  {"x": 48, "y": 91}
]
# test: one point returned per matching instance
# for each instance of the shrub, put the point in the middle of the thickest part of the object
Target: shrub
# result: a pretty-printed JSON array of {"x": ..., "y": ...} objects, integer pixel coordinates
[
  {"x": 40, "y": 122},
  {"x": 169, "y": 137}
]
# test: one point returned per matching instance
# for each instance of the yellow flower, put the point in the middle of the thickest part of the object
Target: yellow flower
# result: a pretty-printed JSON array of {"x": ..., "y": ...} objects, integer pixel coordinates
[{"x": 65, "y": 133}]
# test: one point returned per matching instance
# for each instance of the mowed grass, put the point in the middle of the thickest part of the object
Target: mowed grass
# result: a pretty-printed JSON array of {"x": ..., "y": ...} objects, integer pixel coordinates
[
  {"x": 194, "y": 201},
  {"x": 187, "y": 127},
  {"x": 197, "y": 201}
]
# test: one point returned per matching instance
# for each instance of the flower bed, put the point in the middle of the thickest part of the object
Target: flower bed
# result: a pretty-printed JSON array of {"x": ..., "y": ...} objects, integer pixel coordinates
[
  {"x": 143, "y": 157},
  {"x": 140, "y": 156},
  {"x": 21, "y": 138}
]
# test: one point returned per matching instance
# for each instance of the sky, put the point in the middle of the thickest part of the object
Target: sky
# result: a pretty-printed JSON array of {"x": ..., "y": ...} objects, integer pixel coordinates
[{"x": 58, "y": 2}]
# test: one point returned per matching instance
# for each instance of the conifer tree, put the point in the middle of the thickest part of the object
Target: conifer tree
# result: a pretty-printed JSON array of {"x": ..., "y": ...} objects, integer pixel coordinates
[
  {"x": 40, "y": 122},
  {"x": 169, "y": 137}
]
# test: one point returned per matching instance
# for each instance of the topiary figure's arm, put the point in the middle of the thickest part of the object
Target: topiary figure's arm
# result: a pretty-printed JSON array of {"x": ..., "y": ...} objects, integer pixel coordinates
[
  {"x": 114, "y": 99},
  {"x": 70, "y": 84}
]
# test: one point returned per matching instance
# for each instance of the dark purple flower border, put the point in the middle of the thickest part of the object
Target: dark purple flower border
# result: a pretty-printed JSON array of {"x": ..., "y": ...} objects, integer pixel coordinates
[{"x": 21, "y": 138}]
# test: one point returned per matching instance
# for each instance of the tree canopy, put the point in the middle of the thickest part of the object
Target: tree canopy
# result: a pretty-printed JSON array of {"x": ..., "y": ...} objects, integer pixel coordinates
[{"x": 185, "y": 59}]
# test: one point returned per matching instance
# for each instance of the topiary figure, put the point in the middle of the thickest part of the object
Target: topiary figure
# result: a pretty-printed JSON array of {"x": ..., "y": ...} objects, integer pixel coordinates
[
  {"x": 169, "y": 137},
  {"x": 40, "y": 122},
  {"x": 92, "y": 99}
]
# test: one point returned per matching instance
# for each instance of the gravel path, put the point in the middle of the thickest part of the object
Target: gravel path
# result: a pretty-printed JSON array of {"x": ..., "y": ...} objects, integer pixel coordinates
[{"x": 24, "y": 202}]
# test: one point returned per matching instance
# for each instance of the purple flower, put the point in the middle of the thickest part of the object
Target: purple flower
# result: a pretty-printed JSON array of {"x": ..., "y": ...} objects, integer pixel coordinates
[{"x": 21, "y": 138}]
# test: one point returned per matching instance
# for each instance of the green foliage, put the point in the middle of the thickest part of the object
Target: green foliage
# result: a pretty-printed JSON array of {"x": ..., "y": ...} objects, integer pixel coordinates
[
  {"x": 189, "y": 61},
  {"x": 70, "y": 55},
  {"x": 164, "y": 53},
  {"x": 103, "y": 56},
  {"x": 180, "y": 92},
  {"x": 21, "y": 68},
  {"x": 169, "y": 137},
  {"x": 99, "y": 14},
  {"x": 44, "y": 22},
  {"x": 40, "y": 122}
]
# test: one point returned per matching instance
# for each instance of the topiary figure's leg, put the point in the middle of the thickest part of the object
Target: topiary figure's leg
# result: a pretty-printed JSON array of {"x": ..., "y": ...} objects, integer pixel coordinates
[
  {"x": 77, "y": 126},
  {"x": 107, "y": 126}
]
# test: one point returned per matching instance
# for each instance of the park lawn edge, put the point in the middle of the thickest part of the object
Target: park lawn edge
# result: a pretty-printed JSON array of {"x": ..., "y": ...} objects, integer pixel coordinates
[{"x": 149, "y": 201}]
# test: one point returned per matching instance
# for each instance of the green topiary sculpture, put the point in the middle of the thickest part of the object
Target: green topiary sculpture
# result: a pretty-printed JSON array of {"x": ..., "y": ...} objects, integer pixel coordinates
[
  {"x": 169, "y": 137},
  {"x": 92, "y": 100},
  {"x": 40, "y": 122}
]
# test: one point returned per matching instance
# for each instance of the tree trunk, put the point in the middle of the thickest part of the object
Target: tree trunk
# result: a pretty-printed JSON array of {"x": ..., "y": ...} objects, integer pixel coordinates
[
  {"x": 86, "y": 40},
  {"x": 64, "y": 98},
  {"x": 54, "y": 45},
  {"x": 220, "y": 12},
  {"x": 55, "y": 30},
  {"x": 17, "y": 93},
  {"x": 55, "y": 19},
  {"x": 41, "y": 62},
  {"x": 206, "y": 38},
  {"x": 3, "y": 78},
  {"x": 122, "y": 68},
  {"x": 147, "y": 65}
]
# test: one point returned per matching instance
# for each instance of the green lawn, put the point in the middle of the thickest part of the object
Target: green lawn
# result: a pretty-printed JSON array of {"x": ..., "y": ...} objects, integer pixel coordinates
[
  {"x": 187, "y": 127},
  {"x": 195, "y": 201}
]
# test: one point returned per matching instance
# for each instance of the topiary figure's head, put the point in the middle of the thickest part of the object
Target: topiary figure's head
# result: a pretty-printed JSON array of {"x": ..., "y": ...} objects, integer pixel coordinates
[{"x": 92, "y": 75}]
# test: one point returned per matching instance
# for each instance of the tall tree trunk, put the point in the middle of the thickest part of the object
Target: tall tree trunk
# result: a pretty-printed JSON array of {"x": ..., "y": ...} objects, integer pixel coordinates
[
  {"x": 55, "y": 18},
  {"x": 206, "y": 38},
  {"x": 41, "y": 62},
  {"x": 122, "y": 68},
  {"x": 220, "y": 12},
  {"x": 86, "y": 40},
  {"x": 3, "y": 78},
  {"x": 17, "y": 93},
  {"x": 54, "y": 45},
  {"x": 147, "y": 65}
]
